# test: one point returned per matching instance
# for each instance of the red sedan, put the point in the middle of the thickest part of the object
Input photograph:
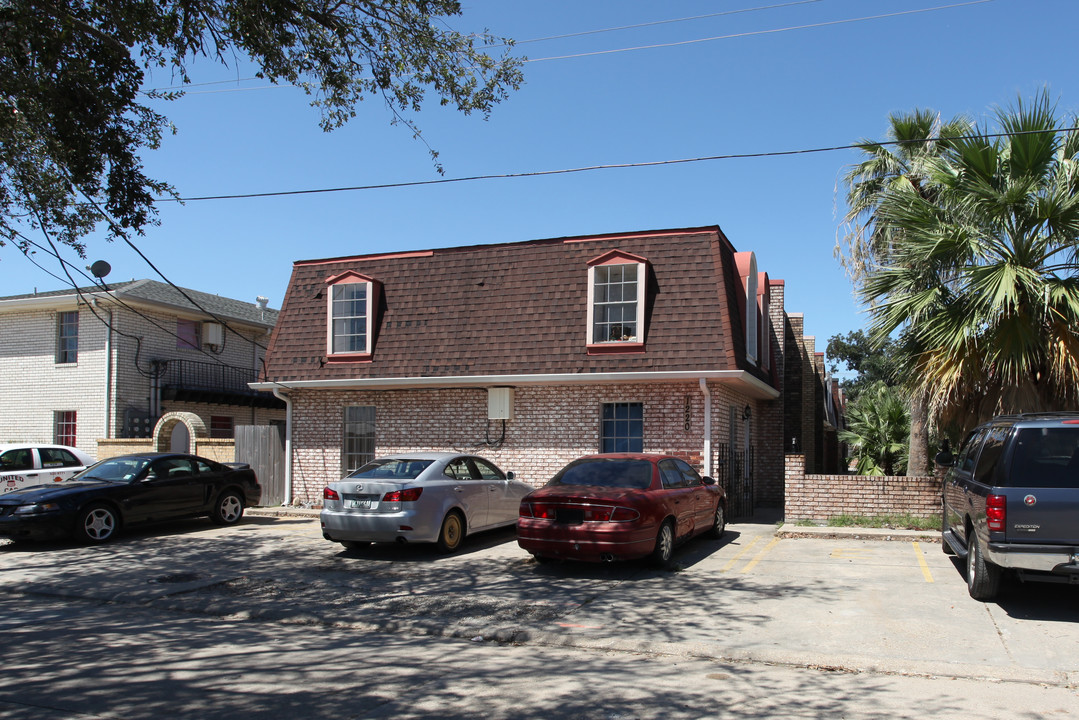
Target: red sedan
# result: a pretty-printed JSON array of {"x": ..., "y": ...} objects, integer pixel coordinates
[{"x": 620, "y": 507}]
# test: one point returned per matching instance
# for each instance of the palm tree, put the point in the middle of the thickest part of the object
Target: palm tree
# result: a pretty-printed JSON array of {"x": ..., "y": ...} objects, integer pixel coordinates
[
  {"x": 983, "y": 271},
  {"x": 900, "y": 164},
  {"x": 876, "y": 431}
]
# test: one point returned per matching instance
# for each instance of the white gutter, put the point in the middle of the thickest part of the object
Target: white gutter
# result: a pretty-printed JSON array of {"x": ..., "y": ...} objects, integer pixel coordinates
[
  {"x": 108, "y": 376},
  {"x": 707, "y": 427},
  {"x": 288, "y": 443},
  {"x": 754, "y": 386}
]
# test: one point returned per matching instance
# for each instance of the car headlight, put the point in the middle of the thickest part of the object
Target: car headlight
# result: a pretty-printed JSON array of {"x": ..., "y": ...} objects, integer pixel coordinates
[{"x": 36, "y": 508}]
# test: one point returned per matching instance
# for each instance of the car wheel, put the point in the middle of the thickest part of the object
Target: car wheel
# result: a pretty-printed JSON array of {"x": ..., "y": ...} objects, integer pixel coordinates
[
  {"x": 664, "y": 550},
  {"x": 983, "y": 578},
  {"x": 228, "y": 509},
  {"x": 452, "y": 532},
  {"x": 97, "y": 524},
  {"x": 719, "y": 522}
]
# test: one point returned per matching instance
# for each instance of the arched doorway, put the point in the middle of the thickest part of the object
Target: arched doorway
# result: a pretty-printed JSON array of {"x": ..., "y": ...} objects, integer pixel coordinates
[
  {"x": 180, "y": 439},
  {"x": 179, "y": 432}
]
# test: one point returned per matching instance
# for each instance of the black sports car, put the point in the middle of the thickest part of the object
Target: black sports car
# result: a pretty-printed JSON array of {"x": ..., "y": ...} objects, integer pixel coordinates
[{"x": 95, "y": 504}]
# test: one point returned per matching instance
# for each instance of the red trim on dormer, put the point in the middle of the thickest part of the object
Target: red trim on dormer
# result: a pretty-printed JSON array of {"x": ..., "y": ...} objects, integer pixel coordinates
[
  {"x": 616, "y": 348},
  {"x": 616, "y": 257},
  {"x": 349, "y": 358},
  {"x": 349, "y": 276}
]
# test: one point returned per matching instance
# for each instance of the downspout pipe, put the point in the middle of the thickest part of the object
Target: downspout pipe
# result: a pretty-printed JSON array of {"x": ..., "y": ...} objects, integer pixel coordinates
[
  {"x": 707, "y": 451},
  {"x": 288, "y": 443}
]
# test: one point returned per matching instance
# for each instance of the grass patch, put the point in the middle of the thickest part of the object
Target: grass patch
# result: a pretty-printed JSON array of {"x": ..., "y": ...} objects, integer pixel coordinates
[{"x": 895, "y": 522}]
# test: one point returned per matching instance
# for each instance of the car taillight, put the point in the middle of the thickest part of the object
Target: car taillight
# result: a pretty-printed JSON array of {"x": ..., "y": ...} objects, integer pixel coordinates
[
  {"x": 328, "y": 494},
  {"x": 610, "y": 514},
  {"x": 537, "y": 510},
  {"x": 996, "y": 510},
  {"x": 406, "y": 495}
]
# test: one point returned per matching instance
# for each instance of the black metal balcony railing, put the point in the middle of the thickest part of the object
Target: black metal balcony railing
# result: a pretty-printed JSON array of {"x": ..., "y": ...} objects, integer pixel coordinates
[{"x": 211, "y": 382}]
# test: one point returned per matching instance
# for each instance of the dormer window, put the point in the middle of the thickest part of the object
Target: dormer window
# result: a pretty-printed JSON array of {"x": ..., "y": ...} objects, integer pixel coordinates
[
  {"x": 350, "y": 314},
  {"x": 616, "y": 299}
]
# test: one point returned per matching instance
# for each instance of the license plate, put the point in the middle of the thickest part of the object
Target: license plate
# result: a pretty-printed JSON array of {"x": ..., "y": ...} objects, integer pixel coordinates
[{"x": 360, "y": 504}]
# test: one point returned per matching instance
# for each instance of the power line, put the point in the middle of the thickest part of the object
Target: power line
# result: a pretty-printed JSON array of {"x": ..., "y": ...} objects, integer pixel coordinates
[
  {"x": 617, "y": 166},
  {"x": 98, "y": 284},
  {"x": 653, "y": 23},
  {"x": 758, "y": 32},
  {"x": 593, "y": 53}
]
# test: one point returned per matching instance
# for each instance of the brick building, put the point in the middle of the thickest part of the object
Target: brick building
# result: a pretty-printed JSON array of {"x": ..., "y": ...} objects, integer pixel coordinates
[
  {"x": 77, "y": 366},
  {"x": 535, "y": 353}
]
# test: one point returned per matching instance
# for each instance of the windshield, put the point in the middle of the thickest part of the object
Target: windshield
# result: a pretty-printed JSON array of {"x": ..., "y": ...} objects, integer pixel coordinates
[
  {"x": 392, "y": 468},
  {"x": 604, "y": 472},
  {"x": 114, "y": 470},
  {"x": 1045, "y": 458}
]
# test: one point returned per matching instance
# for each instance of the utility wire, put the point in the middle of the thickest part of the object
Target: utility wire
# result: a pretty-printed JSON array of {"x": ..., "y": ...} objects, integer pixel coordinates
[
  {"x": 99, "y": 284},
  {"x": 758, "y": 32},
  {"x": 639, "y": 47},
  {"x": 565, "y": 171},
  {"x": 652, "y": 23}
]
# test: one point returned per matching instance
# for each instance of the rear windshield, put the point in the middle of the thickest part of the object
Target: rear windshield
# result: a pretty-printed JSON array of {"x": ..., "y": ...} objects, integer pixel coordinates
[
  {"x": 393, "y": 469},
  {"x": 606, "y": 473},
  {"x": 1045, "y": 458}
]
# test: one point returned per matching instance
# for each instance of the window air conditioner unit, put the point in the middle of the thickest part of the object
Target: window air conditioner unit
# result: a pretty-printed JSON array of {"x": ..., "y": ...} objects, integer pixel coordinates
[
  {"x": 213, "y": 334},
  {"x": 500, "y": 403}
]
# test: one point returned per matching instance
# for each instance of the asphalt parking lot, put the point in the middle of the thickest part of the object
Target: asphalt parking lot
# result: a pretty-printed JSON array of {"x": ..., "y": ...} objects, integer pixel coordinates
[{"x": 848, "y": 604}]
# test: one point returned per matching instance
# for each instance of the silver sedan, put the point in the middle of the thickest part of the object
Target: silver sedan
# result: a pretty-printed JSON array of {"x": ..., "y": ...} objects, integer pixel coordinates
[{"x": 420, "y": 497}]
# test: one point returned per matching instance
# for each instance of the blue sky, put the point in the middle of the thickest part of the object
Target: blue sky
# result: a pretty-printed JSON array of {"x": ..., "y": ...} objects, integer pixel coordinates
[{"x": 767, "y": 89}]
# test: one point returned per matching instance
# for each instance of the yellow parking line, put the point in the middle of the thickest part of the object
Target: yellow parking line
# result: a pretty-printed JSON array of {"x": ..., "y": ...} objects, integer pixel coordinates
[
  {"x": 761, "y": 554},
  {"x": 739, "y": 554},
  {"x": 922, "y": 562}
]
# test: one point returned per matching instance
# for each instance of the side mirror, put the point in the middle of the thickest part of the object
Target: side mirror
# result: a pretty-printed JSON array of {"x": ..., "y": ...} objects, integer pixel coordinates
[
  {"x": 709, "y": 480},
  {"x": 510, "y": 475},
  {"x": 944, "y": 458}
]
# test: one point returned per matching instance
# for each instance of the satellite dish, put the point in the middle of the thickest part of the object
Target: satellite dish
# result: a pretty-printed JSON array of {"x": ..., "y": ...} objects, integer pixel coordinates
[{"x": 100, "y": 269}]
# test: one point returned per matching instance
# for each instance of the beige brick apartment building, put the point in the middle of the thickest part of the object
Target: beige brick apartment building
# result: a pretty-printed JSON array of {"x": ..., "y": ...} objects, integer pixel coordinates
[
  {"x": 81, "y": 365},
  {"x": 535, "y": 353}
]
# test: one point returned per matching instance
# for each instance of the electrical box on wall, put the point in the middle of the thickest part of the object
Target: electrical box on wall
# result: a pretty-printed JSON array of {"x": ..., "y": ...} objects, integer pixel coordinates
[
  {"x": 500, "y": 403},
  {"x": 213, "y": 333}
]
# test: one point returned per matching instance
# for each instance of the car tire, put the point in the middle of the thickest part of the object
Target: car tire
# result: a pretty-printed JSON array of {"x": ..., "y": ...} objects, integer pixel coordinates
[
  {"x": 452, "y": 532},
  {"x": 983, "y": 578},
  {"x": 664, "y": 550},
  {"x": 719, "y": 523},
  {"x": 228, "y": 508},
  {"x": 97, "y": 523}
]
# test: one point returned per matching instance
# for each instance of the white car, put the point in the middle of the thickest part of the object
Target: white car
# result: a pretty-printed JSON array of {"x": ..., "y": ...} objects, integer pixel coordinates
[
  {"x": 24, "y": 465},
  {"x": 420, "y": 497}
]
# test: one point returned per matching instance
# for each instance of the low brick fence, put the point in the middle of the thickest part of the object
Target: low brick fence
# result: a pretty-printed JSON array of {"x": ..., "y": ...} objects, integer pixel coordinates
[
  {"x": 219, "y": 449},
  {"x": 820, "y": 497}
]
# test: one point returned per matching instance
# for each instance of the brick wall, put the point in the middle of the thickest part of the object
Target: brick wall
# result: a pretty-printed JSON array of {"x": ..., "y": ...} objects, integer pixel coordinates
[
  {"x": 820, "y": 497},
  {"x": 552, "y": 425},
  {"x": 218, "y": 449},
  {"x": 33, "y": 385}
]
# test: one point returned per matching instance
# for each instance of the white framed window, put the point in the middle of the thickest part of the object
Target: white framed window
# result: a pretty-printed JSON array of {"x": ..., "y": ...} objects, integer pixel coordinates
[
  {"x": 617, "y": 285},
  {"x": 358, "y": 433},
  {"x": 65, "y": 427},
  {"x": 67, "y": 337},
  {"x": 350, "y": 316}
]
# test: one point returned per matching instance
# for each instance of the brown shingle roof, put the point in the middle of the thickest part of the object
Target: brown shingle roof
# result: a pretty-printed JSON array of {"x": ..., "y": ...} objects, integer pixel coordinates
[{"x": 518, "y": 308}]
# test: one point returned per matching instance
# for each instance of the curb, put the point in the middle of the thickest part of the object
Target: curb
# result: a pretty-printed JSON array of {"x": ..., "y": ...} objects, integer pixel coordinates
[{"x": 855, "y": 533}]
